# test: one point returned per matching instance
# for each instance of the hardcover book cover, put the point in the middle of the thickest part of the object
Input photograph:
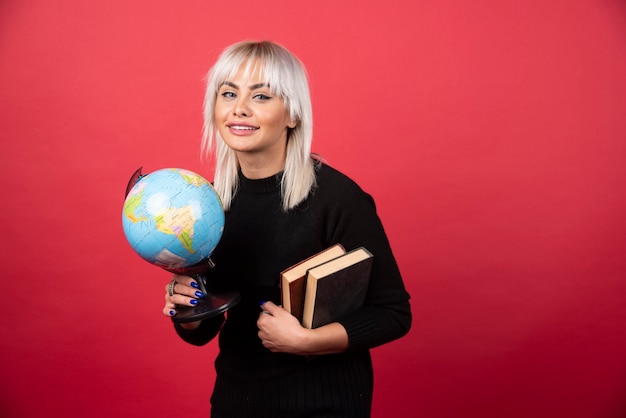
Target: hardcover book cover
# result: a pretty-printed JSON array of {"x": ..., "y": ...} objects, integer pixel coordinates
[{"x": 336, "y": 287}]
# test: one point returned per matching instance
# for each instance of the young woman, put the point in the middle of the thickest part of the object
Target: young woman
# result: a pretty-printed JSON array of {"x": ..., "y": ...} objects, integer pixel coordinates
[{"x": 282, "y": 206}]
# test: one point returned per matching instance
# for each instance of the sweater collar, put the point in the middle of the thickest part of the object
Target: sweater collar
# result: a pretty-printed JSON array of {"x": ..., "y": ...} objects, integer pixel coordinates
[{"x": 268, "y": 184}]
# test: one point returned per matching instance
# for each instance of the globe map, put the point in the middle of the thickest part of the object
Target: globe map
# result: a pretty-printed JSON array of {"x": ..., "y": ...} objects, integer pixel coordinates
[{"x": 173, "y": 218}]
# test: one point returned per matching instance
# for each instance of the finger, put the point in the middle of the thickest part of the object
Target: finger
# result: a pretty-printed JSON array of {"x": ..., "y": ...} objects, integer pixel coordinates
[
  {"x": 182, "y": 289},
  {"x": 264, "y": 312},
  {"x": 169, "y": 309},
  {"x": 185, "y": 280},
  {"x": 270, "y": 307},
  {"x": 179, "y": 299},
  {"x": 263, "y": 315}
]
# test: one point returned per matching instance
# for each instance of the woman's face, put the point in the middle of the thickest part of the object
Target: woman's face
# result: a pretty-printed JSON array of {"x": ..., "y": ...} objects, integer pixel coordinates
[{"x": 251, "y": 120}]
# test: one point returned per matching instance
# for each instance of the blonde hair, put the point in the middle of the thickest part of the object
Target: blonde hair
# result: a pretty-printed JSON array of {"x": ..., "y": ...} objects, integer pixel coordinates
[{"x": 286, "y": 77}]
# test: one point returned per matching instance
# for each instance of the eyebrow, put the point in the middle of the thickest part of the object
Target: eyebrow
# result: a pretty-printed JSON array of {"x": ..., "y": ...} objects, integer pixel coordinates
[{"x": 252, "y": 87}]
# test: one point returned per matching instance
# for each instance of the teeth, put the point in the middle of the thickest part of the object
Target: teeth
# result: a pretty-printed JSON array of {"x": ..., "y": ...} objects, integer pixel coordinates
[{"x": 243, "y": 128}]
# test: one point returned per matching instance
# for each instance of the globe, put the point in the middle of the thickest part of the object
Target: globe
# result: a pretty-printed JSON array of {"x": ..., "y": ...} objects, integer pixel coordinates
[{"x": 172, "y": 218}]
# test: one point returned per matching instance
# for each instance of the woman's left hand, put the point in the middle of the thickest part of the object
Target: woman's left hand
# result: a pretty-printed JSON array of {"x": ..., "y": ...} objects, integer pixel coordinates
[{"x": 279, "y": 331}]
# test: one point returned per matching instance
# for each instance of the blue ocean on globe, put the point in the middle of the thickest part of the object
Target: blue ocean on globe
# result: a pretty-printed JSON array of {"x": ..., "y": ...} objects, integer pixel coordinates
[{"x": 173, "y": 218}]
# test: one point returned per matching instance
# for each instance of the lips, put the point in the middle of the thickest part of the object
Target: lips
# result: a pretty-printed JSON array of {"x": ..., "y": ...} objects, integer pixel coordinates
[{"x": 241, "y": 127}]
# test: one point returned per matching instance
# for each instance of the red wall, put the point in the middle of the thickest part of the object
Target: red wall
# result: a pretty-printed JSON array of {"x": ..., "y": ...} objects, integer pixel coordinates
[{"x": 491, "y": 133}]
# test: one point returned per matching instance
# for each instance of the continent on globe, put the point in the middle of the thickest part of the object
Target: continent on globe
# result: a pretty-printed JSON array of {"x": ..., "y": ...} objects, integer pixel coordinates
[
  {"x": 173, "y": 218},
  {"x": 192, "y": 178},
  {"x": 133, "y": 200},
  {"x": 179, "y": 222}
]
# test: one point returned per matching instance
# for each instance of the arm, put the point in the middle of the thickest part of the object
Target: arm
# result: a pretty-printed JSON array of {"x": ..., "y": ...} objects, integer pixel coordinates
[
  {"x": 279, "y": 331},
  {"x": 351, "y": 219},
  {"x": 345, "y": 214}
]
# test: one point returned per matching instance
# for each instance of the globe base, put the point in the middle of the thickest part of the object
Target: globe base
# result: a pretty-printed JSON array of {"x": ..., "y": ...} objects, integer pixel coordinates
[
  {"x": 209, "y": 306},
  {"x": 212, "y": 304}
]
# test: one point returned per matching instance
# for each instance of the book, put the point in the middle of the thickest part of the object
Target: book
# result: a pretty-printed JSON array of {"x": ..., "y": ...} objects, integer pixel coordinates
[
  {"x": 336, "y": 287},
  {"x": 292, "y": 280}
]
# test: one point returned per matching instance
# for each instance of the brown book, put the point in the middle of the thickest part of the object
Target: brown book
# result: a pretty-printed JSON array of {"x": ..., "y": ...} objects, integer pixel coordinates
[
  {"x": 292, "y": 280},
  {"x": 336, "y": 287}
]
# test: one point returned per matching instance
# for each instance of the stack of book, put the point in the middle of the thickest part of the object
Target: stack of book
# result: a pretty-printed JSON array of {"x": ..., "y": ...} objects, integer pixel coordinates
[{"x": 327, "y": 285}]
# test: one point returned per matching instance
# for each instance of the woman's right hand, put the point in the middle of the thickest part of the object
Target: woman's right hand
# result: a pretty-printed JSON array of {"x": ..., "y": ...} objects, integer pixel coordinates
[{"x": 181, "y": 290}]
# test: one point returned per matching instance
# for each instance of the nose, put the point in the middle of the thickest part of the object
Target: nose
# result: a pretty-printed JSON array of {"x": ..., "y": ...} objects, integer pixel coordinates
[{"x": 241, "y": 108}]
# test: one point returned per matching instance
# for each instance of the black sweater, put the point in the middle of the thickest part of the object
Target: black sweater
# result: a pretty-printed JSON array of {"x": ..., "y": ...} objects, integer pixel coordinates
[{"x": 259, "y": 241}]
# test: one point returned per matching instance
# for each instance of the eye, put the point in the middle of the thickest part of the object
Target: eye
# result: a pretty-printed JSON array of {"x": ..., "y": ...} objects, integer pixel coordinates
[
  {"x": 261, "y": 96},
  {"x": 228, "y": 94}
]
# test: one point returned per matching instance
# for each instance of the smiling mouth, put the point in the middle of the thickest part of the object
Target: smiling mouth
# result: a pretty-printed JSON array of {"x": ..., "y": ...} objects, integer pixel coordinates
[{"x": 242, "y": 128}]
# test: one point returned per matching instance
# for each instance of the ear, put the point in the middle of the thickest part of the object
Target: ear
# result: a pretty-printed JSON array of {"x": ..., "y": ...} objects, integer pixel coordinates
[{"x": 292, "y": 124}]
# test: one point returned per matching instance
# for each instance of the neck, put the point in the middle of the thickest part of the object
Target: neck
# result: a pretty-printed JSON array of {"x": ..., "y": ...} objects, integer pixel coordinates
[{"x": 259, "y": 168}]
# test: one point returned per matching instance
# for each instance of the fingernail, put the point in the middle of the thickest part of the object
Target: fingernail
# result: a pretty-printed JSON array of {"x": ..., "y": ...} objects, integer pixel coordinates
[
  {"x": 194, "y": 285},
  {"x": 193, "y": 301},
  {"x": 262, "y": 302},
  {"x": 172, "y": 313},
  {"x": 199, "y": 294}
]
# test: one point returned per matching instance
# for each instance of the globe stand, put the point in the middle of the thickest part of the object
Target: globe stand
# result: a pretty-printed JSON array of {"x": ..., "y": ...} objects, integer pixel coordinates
[{"x": 212, "y": 304}]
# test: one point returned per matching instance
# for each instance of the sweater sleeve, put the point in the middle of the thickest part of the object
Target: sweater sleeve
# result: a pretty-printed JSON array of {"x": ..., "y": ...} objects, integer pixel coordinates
[{"x": 386, "y": 314}]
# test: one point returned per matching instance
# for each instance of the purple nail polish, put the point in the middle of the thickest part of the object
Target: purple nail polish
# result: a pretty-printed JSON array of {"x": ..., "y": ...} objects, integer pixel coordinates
[
  {"x": 261, "y": 302},
  {"x": 194, "y": 285},
  {"x": 199, "y": 294},
  {"x": 193, "y": 301},
  {"x": 172, "y": 313}
]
